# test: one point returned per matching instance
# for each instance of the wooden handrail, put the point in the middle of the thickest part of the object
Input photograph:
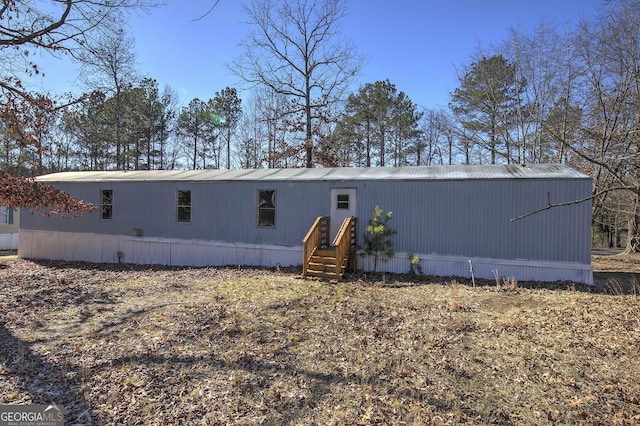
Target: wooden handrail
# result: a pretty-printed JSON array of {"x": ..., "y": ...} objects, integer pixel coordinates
[
  {"x": 317, "y": 236},
  {"x": 345, "y": 243},
  {"x": 353, "y": 259}
]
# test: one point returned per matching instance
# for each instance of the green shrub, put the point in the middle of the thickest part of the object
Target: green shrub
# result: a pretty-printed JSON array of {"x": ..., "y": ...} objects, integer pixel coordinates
[
  {"x": 378, "y": 237},
  {"x": 415, "y": 268}
]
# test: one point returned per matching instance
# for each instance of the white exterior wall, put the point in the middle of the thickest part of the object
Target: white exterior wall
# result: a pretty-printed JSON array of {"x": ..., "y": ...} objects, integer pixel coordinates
[
  {"x": 35, "y": 244},
  {"x": 9, "y": 241}
]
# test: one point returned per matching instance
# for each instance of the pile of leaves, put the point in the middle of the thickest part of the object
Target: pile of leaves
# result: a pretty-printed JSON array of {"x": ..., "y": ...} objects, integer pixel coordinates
[{"x": 117, "y": 344}]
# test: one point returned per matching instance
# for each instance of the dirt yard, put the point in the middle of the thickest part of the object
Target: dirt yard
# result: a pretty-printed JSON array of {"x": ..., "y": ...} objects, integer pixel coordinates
[{"x": 116, "y": 344}]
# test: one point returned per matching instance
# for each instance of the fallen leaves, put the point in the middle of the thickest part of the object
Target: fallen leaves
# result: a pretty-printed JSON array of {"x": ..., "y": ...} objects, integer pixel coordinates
[{"x": 118, "y": 344}]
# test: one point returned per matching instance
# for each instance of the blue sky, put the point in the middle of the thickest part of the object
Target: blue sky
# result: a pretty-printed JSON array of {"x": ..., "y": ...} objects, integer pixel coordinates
[{"x": 416, "y": 44}]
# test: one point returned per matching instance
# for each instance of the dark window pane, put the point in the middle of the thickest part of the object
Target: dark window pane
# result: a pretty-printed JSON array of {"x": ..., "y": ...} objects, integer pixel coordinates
[
  {"x": 107, "y": 212},
  {"x": 106, "y": 203},
  {"x": 267, "y": 217},
  {"x": 184, "y": 198},
  {"x": 107, "y": 196},
  {"x": 184, "y": 214},
  {"x": 343, "y": 201},
  {"x": 267, "y": 199},
  {"x": 267, "y": 208},
  {"x": 183, "y": 207}
]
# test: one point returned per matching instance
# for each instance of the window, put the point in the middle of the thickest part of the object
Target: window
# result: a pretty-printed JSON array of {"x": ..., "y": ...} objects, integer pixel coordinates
[
  {"x": 6, "y": 215},
  {"x": 183, "y": 206},
  {"x": 343, "y": 202},
  {"x": 106, "y": 203},
  {"x": 266, "y": 208}
]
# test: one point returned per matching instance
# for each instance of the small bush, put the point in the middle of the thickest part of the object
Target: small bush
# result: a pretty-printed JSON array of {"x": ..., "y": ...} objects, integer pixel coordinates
[
  {"x": 415, "y": 267},
  {"x": 378, "y": 237}
]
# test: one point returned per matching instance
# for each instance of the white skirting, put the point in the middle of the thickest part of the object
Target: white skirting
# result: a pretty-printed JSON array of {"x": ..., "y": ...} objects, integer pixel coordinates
[
  {"x": 98, "y": 248},
  {"x": 9, "y": 241},
  {"x": 458, "y": 266}
]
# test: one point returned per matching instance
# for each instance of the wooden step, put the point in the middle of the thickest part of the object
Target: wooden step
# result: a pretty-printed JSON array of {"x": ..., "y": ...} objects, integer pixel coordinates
[
  {"x": 321, "y": 274},
  {"x": 326, "y": 252},
  {"x": 321, "y": 267},
  {"x": 322, "y": 259}
]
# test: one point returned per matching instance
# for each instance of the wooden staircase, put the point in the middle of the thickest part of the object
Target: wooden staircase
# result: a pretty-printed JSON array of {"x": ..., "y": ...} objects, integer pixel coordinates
[{"x": 329, "y": 261}]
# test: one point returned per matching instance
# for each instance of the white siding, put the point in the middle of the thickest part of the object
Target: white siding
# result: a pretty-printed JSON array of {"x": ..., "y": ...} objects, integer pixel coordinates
[
  {"x": 72, "y": 246},
  {"x": 457, "y": 266},
  {"x": 105, "y": 248},
  {"x": 9, "y": 241}
]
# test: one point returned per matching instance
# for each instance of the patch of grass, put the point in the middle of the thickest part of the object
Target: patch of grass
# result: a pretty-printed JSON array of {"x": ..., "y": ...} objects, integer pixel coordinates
[
  {"x": 454, "y": 303},
  {"x": 265, "y": 347}
]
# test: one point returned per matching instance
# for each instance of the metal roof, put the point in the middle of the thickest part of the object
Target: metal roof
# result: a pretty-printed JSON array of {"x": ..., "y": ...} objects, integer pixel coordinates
[{"x": 456, "y": 172}]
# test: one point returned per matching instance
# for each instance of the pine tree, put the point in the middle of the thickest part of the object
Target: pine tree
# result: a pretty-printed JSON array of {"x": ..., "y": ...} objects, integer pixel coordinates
[
  {"x": 378, "y": 237},
  {"x": 485, "y": 104}
]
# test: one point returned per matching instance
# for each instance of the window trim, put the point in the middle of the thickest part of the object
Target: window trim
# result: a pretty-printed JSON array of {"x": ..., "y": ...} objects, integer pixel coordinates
[
  {"x": 340, "y": 203},
  {"x": 183, "y": 206},
  {"x": 103, "y": 205},
  {"x": 6, "y": 216},
  {"x": 259, "y": 208}
]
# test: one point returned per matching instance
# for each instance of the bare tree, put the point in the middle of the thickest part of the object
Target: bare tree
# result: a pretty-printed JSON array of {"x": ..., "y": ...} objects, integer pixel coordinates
[
  {"x": 294, "y": 48},
  {"x": 55, "y": 27},
  {"x": 609, "y": 54},
  {"x": 271, "y": 109},
  {"x": 108, "y": 65},
  {"x": 435, "y": 147},
  {"x": 593, "y": 116},
  {"x": 30, "y": 26}
]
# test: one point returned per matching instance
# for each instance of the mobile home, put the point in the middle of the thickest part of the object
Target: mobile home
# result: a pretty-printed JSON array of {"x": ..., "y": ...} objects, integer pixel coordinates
[
  {"x": 451, "y": 217},
  {"x": 9, "y": 225}
]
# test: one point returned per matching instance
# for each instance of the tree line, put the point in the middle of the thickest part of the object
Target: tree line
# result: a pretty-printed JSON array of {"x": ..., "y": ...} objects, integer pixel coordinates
[{"x": 553, "y": 94}]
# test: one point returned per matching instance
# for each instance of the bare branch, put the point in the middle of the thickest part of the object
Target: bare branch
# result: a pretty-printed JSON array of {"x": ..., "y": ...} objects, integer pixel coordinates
[
  {"x": 568, "y": 203},
  {"x": 18, "y": 37},
  {"x": 207, "y": 12},
  {"x": 294, "y": 49}
]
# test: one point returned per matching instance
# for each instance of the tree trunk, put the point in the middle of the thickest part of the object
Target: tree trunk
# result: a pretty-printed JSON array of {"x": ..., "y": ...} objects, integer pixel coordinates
[
  {"x": 633, "y": 229},
  {"x": 307, "y": 111},
  {"x": 229, "y": 147}
]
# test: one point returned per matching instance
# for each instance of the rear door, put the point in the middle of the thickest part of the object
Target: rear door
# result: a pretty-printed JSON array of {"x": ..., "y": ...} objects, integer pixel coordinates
[{"x": 343, "y": 205}]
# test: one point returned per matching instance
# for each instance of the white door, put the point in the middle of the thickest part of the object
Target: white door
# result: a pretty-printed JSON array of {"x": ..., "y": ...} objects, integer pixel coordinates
[{"x": 343, "y": 205}]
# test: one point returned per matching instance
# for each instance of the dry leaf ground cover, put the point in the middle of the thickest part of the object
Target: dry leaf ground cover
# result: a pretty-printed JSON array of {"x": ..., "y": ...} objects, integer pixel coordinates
[{"x": 140, "y": 345}]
